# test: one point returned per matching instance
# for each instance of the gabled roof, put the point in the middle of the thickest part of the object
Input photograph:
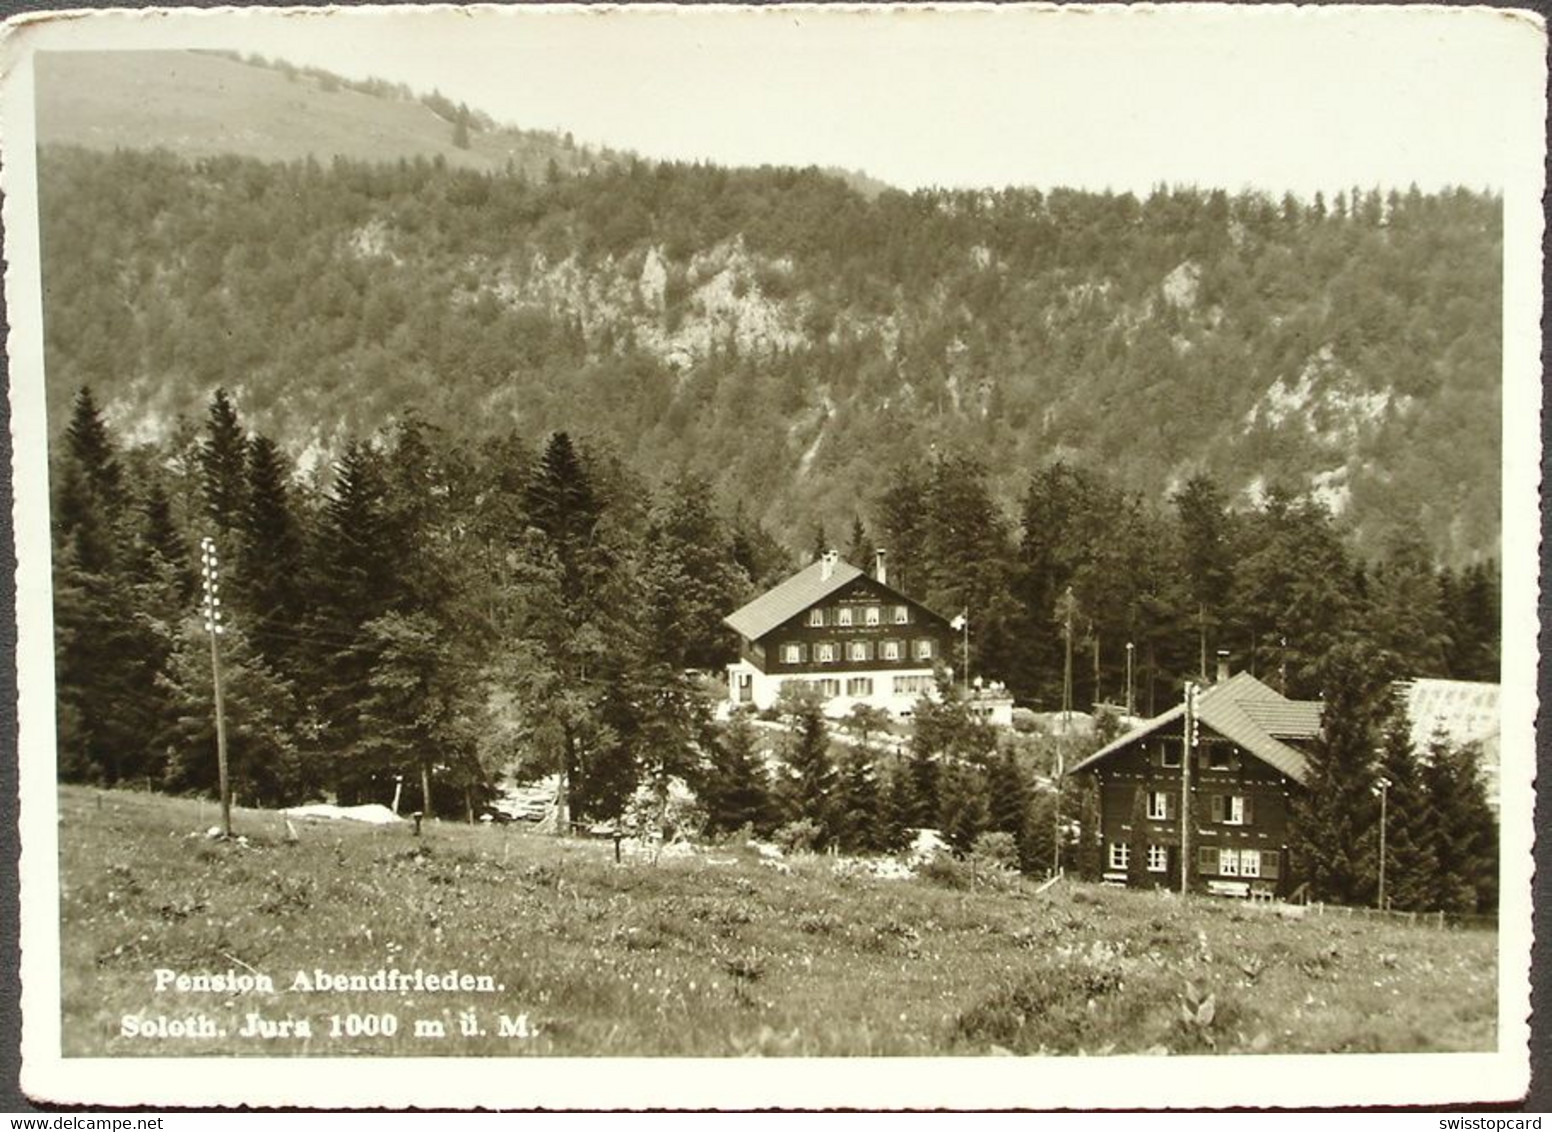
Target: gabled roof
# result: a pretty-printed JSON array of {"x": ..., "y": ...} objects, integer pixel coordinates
[
  {"x": 1246, "y": 712},
  {"x": 787, "y": 600}
]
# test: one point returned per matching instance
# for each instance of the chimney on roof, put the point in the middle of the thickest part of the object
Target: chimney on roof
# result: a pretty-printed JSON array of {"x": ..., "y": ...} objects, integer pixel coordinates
[
  {"x": 1223, "y": 666},
  {"x": 827, "y": 563},
  {"x": 880, "y": 573}
]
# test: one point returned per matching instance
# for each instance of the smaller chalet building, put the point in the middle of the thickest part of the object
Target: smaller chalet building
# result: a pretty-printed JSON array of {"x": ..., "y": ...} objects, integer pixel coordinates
[
  {"x": 1248, "y": 762},
  {"x": 850, "y": 634}
]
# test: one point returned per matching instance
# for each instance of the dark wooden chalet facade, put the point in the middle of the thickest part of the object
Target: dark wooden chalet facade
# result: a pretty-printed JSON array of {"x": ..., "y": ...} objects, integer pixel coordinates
[
  {"x": 1247, "y": 764},
  {"x": 850, "y": 634}
]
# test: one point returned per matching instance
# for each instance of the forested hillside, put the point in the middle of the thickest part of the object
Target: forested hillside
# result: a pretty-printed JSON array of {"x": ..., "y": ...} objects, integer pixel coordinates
[{"x": 797, "y": 344}]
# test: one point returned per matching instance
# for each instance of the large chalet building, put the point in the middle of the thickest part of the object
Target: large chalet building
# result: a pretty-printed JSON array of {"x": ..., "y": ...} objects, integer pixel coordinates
[
  {"x": 850, "y": 634},
  {"x": 1247, "y": 764}
]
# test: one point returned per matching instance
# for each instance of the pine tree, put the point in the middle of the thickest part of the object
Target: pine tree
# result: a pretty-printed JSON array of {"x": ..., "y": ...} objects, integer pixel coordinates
[
  {"x": 812, "y": 776},
  {"x": 691, "y": 577},
  {"x": 88, "y": 443},
  {"x": 737, "y": 787},
  {"x": 859, "y": 818},
  {"x": 106, "y": 654},
  {"x": 897, "y": 807},
  {"x": 1410, "y": 865},
  {"x": 1464, "y": 838},
  {"x": 562, "y": 505},
  {"x": 223, "y": 461},
  {"x": 88, "y": 501},
  {"x": 962, "y": 808},
  {"x": 819, "y": 543},
  {"x": 1405, "y": 617},
  {"x": 1007, "y": 798},
  {"x": 1283, "y": 587},
  {"x": 416, "y": 708},
  {"x": 1206, "y": 550},
  {"x": 353, "y": 588},
  {"x": 161, "y": 545},
  {"x": 266, "y": 768},
  {"x": 1337, "y": 807},
  {"x": 859, "y": 548},
  {"x": 269, "y": 573}
]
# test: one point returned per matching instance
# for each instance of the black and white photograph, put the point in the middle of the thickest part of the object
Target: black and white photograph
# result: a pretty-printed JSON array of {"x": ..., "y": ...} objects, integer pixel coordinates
[{"x": 891, "y": 557}]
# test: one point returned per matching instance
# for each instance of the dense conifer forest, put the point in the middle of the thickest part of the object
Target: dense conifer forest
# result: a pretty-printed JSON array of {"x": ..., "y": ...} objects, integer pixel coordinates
[
  {"x": 448, "y": 608},
  {"x": 487, "y": 455},
  {"x": 797, "y": 343}
]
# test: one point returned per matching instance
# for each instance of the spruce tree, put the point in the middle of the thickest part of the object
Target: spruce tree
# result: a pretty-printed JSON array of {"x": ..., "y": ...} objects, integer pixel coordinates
[
  {"x": 1206, "y": 550},
  {"x": 223, "y": 462},
  {"x": 1405, "y": 618},
  {"x": 266, "y": 767},
  {"x": 962, "y": 808},
  {"x": 1464, "y": 831},
  {"x": 811, "y": 772},
  {"x": 161, "y": 545},
  {"x": 354, "y": 587},
  {"x": 859, "y": 809},
  {"x": 859, "y": 548},
  {"x": 106, "y": 653},
  {"x": 897, "y": 807},
  {"x": 91, "y": 447},
  {"x": 737, "y": 786},
  {"x": 270, "y": 567},
  {"x": 1336, "y": 809},
  {"x": 1410, "y": 864}
]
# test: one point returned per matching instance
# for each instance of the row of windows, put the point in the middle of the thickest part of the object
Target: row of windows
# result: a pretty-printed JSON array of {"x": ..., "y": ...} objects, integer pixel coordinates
[
  {"x": 861, "y": 687},
  {"x": 1209, "y": 756},
  {"x": 1211, "y": 860},
  {"x": 829, "y": 652},
  {"x": 845, "y": 616},
  {"x": 1225, "y": 809}
]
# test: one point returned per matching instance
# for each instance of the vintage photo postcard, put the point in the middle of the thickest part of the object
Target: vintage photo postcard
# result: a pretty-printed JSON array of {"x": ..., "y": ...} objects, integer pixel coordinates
[{"x": 892, "y": 557}]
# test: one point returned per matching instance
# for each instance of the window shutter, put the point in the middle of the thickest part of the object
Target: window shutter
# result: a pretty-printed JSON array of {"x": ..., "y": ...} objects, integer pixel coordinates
[
  {"x": 1171, "y": 807},
  {"x": 1207, "y": 860},
  {"x": 1271, "y": 859},
  {"x": 1203, "y": 758},
  {"x": 1156, "y": 756},
  {"x": 802, "y": 653},
  {"x": 1217, "y": 807},
  {"x": 1249, "y": 810}
]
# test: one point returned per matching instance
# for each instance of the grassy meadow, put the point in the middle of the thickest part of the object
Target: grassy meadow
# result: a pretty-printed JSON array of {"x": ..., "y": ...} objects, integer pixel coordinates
[{"x": 719, "y": 953}]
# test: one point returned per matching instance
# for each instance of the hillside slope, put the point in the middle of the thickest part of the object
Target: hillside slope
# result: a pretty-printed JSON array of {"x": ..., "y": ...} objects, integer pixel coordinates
[
  {"x": 197, "y": 104},
  {"x": 793, "y": 336},
  {"x": 795, "y": 342}
]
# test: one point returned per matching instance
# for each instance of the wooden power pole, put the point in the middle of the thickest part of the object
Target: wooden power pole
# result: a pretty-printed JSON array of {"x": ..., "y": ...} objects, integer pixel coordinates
[{"x": 210, "y": 577}]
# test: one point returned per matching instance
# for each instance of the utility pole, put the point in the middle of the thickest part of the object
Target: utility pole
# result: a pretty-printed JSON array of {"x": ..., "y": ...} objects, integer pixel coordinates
[
  {"x": 1130, "y": 649},
  {"x": 210, "y": 577},
  {"x": 1066, "y": 606},
  {"x": 1384, "y": 788},
  {"x": 1097, "y": 698},
  {"x": 1201, "y": 639},
  {"x": 965, "y": 625},
  {"x": 1188, "y": 740}
]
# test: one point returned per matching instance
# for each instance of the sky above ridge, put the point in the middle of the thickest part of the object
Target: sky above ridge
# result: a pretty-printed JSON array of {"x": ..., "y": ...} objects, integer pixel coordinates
[{"x": 1118, "y": 98}]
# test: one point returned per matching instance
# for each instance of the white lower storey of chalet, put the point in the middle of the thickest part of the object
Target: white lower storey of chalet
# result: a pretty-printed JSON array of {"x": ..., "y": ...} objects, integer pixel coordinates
[{"x": 895, "y": 690}]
